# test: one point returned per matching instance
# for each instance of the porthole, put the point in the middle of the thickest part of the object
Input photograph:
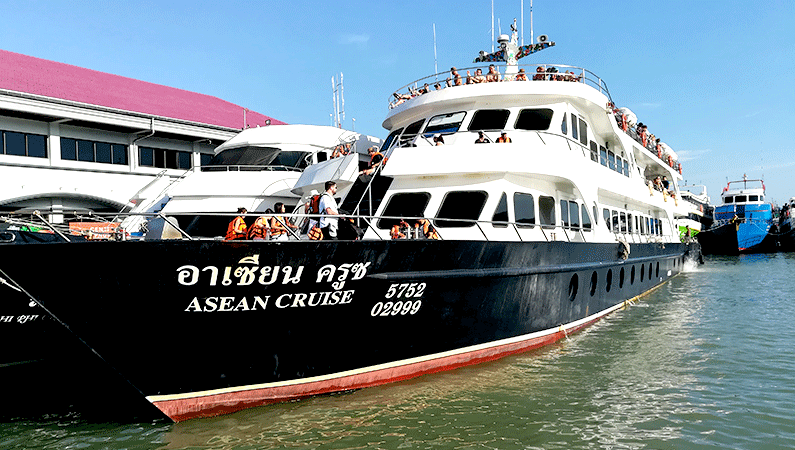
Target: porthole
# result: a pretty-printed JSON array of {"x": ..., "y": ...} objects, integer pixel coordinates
[
  {"x": 650, "y": 269},
  {"x": 657, "y": 270},
  {"x": 621, "y": 279},
  {"x": 574, "y": 284},
  {"x": 632, "y": 275},
  {"x": 594, "y": 279},
  {"x": 642, "y": 272},
  {"x": 609, "y": 280}
]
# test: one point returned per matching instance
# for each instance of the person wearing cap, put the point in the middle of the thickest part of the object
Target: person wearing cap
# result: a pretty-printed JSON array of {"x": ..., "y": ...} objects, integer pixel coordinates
[
  {"x": 521, "y": 76},
  {"x": 456, "y": 77},
  {"x": 438, "y": 139},
  {"x": 376, "y": 158},
  {"x": 482, "y": 139},
  {"x": 503, "y": 139}
]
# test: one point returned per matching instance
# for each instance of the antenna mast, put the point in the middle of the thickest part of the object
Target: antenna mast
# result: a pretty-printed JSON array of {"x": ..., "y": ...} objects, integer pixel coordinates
[
  {"x": 531, "y": 22},
  {"x": 492, "y": 26},
  {"x": 521, "y": 6},
  {"x": 435, "y": 64},
  {"x": 339, "y": 102}
]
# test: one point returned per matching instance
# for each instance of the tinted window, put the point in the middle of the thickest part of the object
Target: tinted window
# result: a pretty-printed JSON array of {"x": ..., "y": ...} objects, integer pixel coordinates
[
  {"x": 489, "y": 119},
  {"x": 119, "y": 154},
  {"x": 410, "y": 204},
  {"x": 524, "y": 210},
  {"x": 444, "y": 123},
  {"x": 546, "y": 211},
  {"x": 68, "y": 149},
  {"x": 461, "y": 205},
  {"x": 183, "y": 160},
  {"x": 103, "y": 152},
  {"x": 629, "y": 222},
  {"x": 586, "y": 219},
  {"x": 564, "y": 125},
  {"x": 753, "y": 198},
  {"x": 85, "y": 150},
  {"x": 411, "y": 132},
  {"x": 583, "y": 132},
  {"x": 626, "y": 168},
  {"x": 606, "y": 215},
  {"x": 15, "y": 143},
  {"x": 564, "y": 213},
  {"x": 603, "y": 155},
  {"x": 728, "y": 199},
  {"x": 37, "y": 146},
  {"x": 534, "y": 119},
  {"x": 146, "y": 156},
  {"x": 739, "y": 199},
  {"x": 623, "y": 221},
  {"x": 574, "y": 214},
  {"x": 388, "y": 140},
  {"x": 501, "y": 213},
  {"x": 574, "y": 133},
  {"x": 594, "y": 152},
  {"x": 611, "y": 160}
]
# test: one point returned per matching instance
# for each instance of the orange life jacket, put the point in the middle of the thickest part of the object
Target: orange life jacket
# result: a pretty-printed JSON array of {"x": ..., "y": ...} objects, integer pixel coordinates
[
  {"x": 258, "y": 230},
  {"x": 236, "y": 229},
  {"x": 315, "y": 233}
]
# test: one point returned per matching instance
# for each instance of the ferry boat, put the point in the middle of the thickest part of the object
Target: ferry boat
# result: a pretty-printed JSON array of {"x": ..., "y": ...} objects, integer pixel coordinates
[
  {"x": 697, "y": 214},
  {"x": 743, "y": 221},
  {"x": 515, "y": 245}
]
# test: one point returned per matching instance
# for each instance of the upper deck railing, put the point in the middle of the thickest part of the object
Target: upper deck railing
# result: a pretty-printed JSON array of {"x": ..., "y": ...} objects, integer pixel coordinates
[{"x": 547, "y": 72}]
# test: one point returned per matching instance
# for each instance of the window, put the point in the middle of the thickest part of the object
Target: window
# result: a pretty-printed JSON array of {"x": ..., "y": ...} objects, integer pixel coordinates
[
  {"x": 740, "y": 199},
  {"x": 90, "y": 151},
  {"x": 489, "y": 119},
  {"x": 574, "y": 133},
  {"x": 444, "y": 123},
  {"x": 387, "y": 143},
  {"x": 594, "y": 152},
  {"x": 615, "y": 225},
  {"x": 623, "y": 220},
  {"x": 546, "y": 211},
  {"x": 611, "y": 160},
  {"x": 37, "y": 146},
  {"x": 175, "y": 159},
  {"x": 574, "y": 215},
  {"x": 753, "y": 198},
  {"x": 564, "y": 125},
  {"x": 409, "y": 204},
  {"x": 524, "y": 210},
  {"x": 629, "y": 222},
  {"x": 534, "y": 119},
  {"x": 606, "y": 215},
  {"x": 603, "y": 155},
  {"x": 461, "y": 209},
  {"x": 583, "y": 132},
  {"x": 501, "y": 213},
  {"x": 411, "y": 132},
  {"x": 586, "y": 219},
  {"x": 728, "y": 199},
  {"x": 564, "y": 213},
  {"x": 15, "y": 143},
  {"x": 626, "y": 168}
]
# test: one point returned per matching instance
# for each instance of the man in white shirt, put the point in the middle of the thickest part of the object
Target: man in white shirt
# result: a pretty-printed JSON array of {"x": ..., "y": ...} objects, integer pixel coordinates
[{"x": 328, "y": 207}]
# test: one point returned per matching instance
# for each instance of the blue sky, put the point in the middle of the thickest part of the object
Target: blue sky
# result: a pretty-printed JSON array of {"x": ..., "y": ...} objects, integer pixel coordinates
[{"x": 713, "y": 79}]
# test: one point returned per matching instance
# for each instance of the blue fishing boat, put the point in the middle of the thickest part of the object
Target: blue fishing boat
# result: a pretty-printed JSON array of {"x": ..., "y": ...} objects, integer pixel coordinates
[{"x": 743, "y": 221}]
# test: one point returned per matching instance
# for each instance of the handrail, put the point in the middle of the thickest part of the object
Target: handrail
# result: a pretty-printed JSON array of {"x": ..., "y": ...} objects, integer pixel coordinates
[{"x": 584, "y": 76}]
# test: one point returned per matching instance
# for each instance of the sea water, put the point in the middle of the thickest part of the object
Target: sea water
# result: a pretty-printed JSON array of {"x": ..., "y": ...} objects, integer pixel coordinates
[{"x": 705, "y": 361}]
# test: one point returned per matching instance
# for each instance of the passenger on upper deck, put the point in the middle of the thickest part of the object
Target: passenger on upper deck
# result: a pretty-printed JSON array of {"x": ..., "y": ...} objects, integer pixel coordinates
[
  {"x": 258, "y": 230},
  {"x": 280, "y": 226},
  {"x": 493, "y": 74},
  {"x": 478, "y": 78},
  {"x": 438, "y": 139},
  {"x": 553, "y": 74},
  {"x": 521, "y": 76},
  {"x": 456, "y": 77},
  {"x": 482, "y": 139},
  {"x": 539, "y": 76},
  {"x": 503, "y": 138}
]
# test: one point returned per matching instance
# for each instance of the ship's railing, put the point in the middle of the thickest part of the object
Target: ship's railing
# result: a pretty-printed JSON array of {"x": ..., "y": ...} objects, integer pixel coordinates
[
  {"x": 443, "y": 80},
  {"x": 249, "y": 168},
  {"x": 112, "y": 230}
]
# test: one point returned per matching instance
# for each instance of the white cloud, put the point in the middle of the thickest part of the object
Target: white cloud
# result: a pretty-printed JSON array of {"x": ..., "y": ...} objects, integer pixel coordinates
[
  {"x": 690, "y": 155},
  {"x": 355, "y": 39}
]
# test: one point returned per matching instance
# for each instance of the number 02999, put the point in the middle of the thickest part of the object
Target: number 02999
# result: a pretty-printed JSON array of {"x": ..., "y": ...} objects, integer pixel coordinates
[{"x": 408, "y": 292}]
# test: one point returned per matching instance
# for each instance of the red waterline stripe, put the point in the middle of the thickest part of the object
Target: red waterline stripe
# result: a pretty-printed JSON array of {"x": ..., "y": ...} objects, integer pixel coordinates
[{"x": 226, "y": 403}]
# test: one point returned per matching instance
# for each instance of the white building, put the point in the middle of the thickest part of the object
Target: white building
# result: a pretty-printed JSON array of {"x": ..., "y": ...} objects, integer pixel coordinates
[{"x": 74, "y": 139}]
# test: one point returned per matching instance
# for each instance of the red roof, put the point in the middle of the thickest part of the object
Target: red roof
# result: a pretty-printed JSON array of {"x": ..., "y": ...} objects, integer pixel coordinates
[{"x": 31, "y": 75}]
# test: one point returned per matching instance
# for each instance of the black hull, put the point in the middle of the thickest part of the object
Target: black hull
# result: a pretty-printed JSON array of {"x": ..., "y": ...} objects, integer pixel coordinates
[
  {"x": 787, "y": 237},
  {"x": 202, "y": 328}
]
